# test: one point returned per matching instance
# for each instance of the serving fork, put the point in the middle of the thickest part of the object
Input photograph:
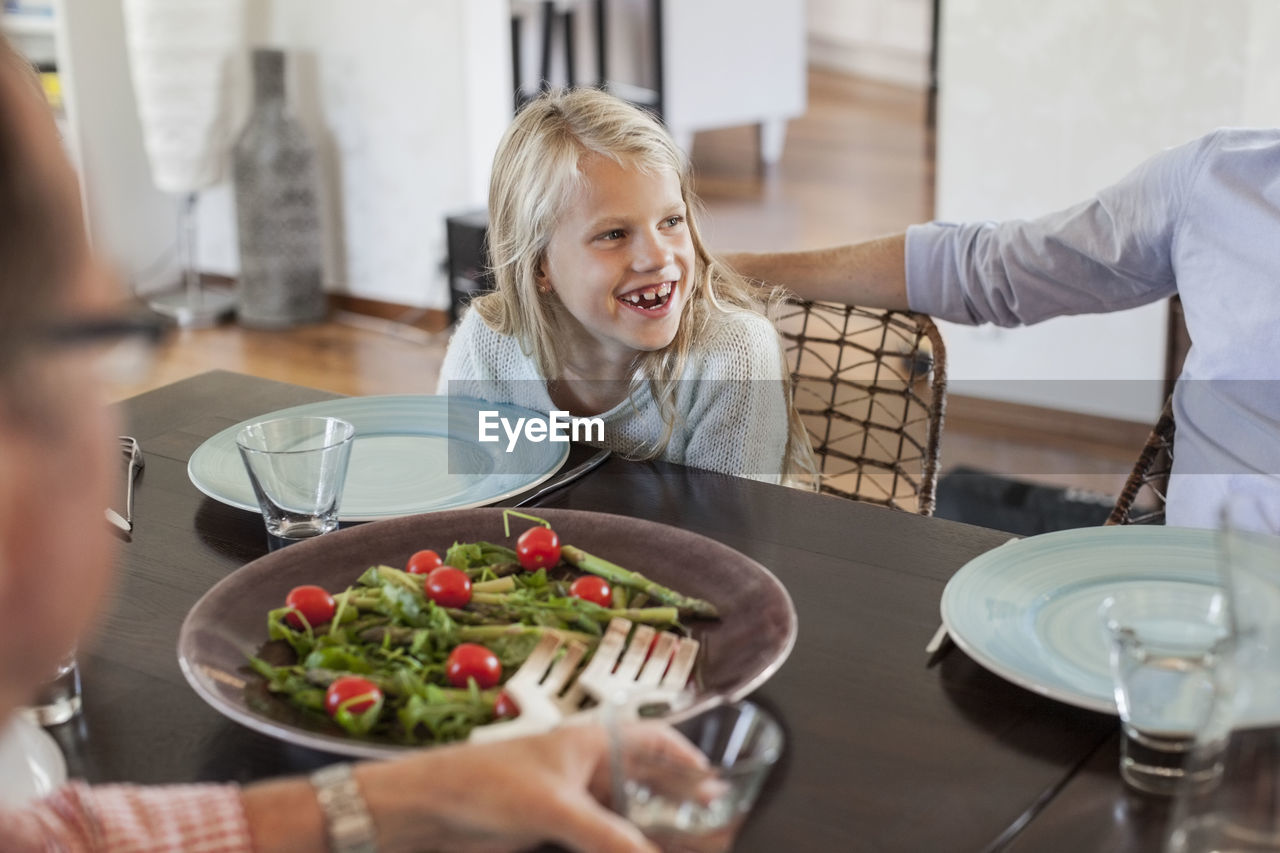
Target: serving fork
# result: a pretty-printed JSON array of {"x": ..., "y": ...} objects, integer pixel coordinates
[
  {"x": 133, "y": 458},
  {"x": 647, "y": 671}
]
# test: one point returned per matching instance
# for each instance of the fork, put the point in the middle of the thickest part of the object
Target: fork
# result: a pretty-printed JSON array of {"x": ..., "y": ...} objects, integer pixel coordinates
[
  {"x": 643, "y": 677},
  {"x": 645, "y": 672},
  {"x": 536, "y": 690},
  {"x": 133, "y": 456}
]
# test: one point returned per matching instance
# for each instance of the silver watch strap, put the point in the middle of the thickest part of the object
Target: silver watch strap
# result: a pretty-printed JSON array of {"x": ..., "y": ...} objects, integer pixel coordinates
[{"x": 346, "y": 815}]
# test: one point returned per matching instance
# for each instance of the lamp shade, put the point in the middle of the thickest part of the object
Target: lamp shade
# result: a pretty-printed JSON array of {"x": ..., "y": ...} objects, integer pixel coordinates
[{"x": 181, "y": 55}]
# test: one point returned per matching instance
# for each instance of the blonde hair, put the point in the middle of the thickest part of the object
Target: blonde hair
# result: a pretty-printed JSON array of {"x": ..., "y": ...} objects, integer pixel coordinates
[{"x": 536, "y": 171}]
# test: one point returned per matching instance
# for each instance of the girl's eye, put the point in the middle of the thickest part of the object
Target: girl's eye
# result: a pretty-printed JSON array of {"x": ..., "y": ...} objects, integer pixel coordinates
[
  {"x": 673, "y": 221},
  {"x": 615, "y": 234}
]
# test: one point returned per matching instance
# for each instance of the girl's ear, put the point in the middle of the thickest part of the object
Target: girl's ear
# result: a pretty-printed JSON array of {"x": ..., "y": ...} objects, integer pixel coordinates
[{"x": 544, "y": 281}]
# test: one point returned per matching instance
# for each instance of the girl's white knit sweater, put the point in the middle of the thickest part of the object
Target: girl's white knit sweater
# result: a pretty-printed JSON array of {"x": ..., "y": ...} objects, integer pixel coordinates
[{"x": 732, "y": 410}]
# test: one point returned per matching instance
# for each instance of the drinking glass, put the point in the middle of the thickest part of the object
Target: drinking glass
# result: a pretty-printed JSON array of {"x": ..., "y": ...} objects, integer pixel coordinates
[
  {"x": 1240, "y": 813},
  {"x": 1166, "y": 646},
  {"x": 57, "y": 700},
  {"x": 297, "y": 466},
  {"x": 696, "y": 804}
]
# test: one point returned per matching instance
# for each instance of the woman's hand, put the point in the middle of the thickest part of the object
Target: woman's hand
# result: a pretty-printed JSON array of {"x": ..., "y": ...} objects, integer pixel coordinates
[
  {"x": 476, "y": 798},
  {"x": 509, "y": 795}
]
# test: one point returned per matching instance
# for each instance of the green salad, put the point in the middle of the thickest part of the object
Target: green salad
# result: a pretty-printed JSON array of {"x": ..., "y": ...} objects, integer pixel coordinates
[{"x": 418, "y": 655}]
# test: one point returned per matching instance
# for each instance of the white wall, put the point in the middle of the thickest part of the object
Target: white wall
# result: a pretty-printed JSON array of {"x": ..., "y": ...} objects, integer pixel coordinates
[
  {"x": 882, "y": 39},
  {"x": 1043, "y": 103}
]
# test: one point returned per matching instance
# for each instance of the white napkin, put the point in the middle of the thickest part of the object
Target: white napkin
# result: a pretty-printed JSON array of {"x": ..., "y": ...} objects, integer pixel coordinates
[{"x": 31, "y": 764}]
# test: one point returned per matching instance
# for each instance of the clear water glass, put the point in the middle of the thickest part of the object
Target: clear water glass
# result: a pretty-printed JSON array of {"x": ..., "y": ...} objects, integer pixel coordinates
[
  {"x": 696, "y": 805},
  {"x": 297, "y": 467},
  {"x": 57, "y": 700},
  {"x": 1167, "y": 646},
  {"x": 1240, "y": 812}
]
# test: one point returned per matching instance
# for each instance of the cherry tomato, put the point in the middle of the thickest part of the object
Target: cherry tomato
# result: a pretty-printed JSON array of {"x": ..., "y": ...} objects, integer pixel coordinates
[
  {"x": 362, "y": 693},
  {"x": 423, "y": 563},
  {"x": 314, "y": 603},
  {"x": 505, "y": 706},
  {"x": 538, "y": 548},
  {"x": 593, "y": 589},
  {"x": 469, "y": 660},
  {"x": 448, "y": 587}
]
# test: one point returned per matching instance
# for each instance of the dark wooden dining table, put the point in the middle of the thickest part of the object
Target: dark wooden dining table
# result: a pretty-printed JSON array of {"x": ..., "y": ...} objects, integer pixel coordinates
[{"x": 887, "y": 749}]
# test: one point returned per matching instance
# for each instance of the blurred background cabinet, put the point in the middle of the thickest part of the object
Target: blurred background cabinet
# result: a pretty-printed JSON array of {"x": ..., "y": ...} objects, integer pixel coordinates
[
  {"x": 729, "y": 62},
  {"x": 700, "y": 64}
]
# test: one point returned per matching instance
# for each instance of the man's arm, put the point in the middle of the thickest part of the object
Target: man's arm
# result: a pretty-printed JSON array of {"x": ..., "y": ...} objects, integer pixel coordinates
[{"x": 871, "y": 274}]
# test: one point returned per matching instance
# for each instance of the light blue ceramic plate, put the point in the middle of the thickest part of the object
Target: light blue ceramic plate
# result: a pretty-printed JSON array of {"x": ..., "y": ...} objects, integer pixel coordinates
[
  {"x": 400, "y": 462},
  {"x": 1028, "y": 610}
]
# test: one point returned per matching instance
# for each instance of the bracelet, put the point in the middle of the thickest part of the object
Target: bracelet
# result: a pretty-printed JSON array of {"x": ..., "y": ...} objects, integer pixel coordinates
[{"x": 346, "y": 815}]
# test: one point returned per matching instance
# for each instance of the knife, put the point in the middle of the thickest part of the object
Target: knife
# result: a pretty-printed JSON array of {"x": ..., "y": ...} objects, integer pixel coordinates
[
  {"x": 574, "y": 474},
  {"x": 116, "y": 520}
]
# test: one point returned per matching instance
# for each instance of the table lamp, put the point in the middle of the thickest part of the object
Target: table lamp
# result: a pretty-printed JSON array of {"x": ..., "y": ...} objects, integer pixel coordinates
[{"x": 181, "y": 54}]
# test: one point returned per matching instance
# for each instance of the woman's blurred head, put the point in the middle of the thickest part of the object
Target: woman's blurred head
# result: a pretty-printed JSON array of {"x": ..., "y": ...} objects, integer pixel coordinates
[{"x": 58, "y": 466}]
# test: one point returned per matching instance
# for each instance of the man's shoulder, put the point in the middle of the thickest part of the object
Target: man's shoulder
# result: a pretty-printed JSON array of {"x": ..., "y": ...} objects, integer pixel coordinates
[
  {"x": 1242, "y": 137},
  {"x": 1234, "y": 144}
]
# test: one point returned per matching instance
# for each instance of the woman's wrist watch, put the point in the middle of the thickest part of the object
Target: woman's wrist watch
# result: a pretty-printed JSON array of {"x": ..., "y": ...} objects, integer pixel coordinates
[{"x": 346, "y": 815}]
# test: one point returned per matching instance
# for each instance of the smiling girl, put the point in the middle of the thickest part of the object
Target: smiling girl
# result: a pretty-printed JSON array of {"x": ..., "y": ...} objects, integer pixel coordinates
[{"x": 608, "y": 303}]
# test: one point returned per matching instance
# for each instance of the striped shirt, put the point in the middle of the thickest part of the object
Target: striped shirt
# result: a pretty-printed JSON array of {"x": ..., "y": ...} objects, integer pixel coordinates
[{"x": 129, "y": 819}]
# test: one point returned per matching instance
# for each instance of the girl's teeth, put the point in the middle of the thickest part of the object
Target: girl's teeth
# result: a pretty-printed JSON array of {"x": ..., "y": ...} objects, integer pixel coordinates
[{"x": 648, "y": 295}]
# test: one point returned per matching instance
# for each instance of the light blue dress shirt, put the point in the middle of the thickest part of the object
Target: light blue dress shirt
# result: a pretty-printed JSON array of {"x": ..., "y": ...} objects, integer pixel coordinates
[{"x": 1201, "y": 220}]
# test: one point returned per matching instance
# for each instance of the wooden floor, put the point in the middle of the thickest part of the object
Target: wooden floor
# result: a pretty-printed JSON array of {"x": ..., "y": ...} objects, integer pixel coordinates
[{"x": 858, "y": 164}]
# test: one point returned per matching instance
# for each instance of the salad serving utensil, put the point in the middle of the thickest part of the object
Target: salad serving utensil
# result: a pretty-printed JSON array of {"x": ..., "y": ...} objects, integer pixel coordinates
[
  {"x": 650, "y": 670},
  {"x": 536, "y": 689}
]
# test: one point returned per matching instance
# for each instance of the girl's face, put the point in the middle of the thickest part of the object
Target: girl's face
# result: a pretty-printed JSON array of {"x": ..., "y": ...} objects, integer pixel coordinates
[{"x": 621, "y": 260}]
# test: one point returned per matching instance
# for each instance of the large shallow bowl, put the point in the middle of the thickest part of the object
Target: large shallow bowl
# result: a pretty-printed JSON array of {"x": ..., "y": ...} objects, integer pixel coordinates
[{"x": 739, "y": 652}]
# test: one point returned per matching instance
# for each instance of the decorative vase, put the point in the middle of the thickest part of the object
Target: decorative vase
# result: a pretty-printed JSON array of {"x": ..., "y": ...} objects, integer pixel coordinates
[{"x": 277, "y": 208}]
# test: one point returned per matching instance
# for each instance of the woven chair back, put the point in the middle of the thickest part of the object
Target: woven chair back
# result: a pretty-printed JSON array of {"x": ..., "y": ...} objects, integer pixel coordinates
[
  {"x": 1143, "y": 498},
  {"x": 870, "y": 386}
]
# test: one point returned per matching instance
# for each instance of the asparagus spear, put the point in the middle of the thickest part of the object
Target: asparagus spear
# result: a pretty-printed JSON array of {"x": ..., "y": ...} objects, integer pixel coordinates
[
  {"x": 506, "y": 609},
  {"x": 475, "y": 633},
  {"x": 615, "y": 574}
]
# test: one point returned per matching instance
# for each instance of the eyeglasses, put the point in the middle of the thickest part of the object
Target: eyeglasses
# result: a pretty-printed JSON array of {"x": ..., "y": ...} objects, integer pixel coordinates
[{"x": 121, "y": 346}]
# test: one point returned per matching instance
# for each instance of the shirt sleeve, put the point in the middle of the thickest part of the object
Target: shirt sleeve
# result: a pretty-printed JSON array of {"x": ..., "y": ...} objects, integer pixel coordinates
[
  {"x": 1111, "y": 252},
  {"x": 130, "y": 819}
]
